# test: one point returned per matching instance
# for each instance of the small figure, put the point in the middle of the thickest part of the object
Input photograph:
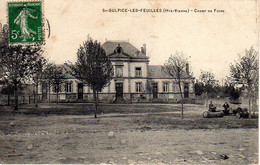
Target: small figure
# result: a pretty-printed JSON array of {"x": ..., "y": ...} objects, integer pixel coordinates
[
  {"x": 226, "y": 108},
  {"x": 211, "y": 107}
]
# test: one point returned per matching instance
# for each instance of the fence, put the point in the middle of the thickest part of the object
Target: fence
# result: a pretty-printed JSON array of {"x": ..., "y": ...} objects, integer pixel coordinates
[{"x": 22, "y": 99}]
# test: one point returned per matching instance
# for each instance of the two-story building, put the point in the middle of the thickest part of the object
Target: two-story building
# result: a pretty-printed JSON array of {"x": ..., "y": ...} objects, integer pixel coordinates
[{"x": 134, "y": 79}]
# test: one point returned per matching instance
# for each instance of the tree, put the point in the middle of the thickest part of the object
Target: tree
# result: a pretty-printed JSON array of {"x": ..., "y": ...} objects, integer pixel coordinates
[
  {"x": 92, "y": 67},
  {"x": 245, "y": 71},
  {"x": 16, "y": 62},
  {"x": 232, "y": 92},
  {"x": 57, "y": 79},
  {"x": 175, "y": 66},
  {"x": 7, "y": 89},
  {"x": 47, "y": 74},
  {"x": 199, "y": 88},
  {"x": 38, "y": 74},
  {"x": 207, "y": 78},
  {"x": 208, "y": 82}
]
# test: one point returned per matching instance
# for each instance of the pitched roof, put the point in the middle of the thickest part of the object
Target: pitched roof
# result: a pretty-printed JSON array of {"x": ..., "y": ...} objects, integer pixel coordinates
[
  {"x": 128, "y": 49},
  {"x": 156, "y": 71}
]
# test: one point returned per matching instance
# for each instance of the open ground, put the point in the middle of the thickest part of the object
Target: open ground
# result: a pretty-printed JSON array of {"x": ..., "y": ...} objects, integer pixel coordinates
[{"x": 125, "y": 134}]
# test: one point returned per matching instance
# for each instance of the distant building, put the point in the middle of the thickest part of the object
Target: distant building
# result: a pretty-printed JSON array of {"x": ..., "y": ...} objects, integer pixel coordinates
[{"x": 134, "y": 79}]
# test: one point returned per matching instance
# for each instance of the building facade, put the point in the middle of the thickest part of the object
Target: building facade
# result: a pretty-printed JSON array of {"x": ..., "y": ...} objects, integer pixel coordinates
[{"x": 134, "y": 80}]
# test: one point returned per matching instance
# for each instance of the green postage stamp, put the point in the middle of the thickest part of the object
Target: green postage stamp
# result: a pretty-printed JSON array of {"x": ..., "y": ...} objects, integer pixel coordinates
[{"x": 25, "y": 22}]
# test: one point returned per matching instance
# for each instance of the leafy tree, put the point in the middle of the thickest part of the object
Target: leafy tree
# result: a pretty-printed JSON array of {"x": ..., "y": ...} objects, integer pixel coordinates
[
  {"x": 57, "y": 79},
  {"x": 245, "y": 71},
  {"x": 208, "y": 83},
  {"x": 38, "y": 74},
  {"x": 175, "y": 66},
  {"x": 92, "y": 67},
  {"x": 16, "y": 62},
  {"x": 207, "y": 78},
  {"x": 199, "y": 88},
  {"x": 232, "y": 92},
  {"x": 47, "y": 77},
  {"x": 7, "y": 89}
]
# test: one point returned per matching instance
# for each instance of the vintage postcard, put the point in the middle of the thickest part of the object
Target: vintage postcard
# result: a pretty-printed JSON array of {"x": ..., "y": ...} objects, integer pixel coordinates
[{"x": 129, "y": 81}]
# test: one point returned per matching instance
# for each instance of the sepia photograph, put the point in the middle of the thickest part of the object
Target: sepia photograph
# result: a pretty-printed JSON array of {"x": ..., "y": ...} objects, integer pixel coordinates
[{"x": 129, "y": 82}]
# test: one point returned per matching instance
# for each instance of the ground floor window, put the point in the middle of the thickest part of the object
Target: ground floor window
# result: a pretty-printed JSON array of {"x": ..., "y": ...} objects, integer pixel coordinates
[
  {"x": 176, "y": 88},
  {"x": 138, "y": 87},
  {"x": 68, "y": 87},
  {"x": 165, "y": 87}
]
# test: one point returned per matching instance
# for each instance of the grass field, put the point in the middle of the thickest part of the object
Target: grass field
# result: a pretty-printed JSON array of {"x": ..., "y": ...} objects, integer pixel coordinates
[{"x": 125, "y": 134}]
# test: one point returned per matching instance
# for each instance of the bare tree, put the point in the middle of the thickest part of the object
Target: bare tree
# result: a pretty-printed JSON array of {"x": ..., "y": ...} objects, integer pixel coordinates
[
  {"x": 17, "y": 61},
  {"x": 175, "y": 66},
  {"x": 93, "y": 68},
  {"x": 245, "y": 71}
]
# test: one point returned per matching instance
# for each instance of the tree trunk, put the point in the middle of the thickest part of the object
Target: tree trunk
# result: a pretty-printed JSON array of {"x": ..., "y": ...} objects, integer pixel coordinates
[
  {"x": 206, "y": 99},
  {"x": 8, "y": 100},
  {"x": 181, "y": 100},
  {"x": 57, "y": 97},
  {"x": 49, "y": 88},
  {"x": 36, "y": 99},
  {"x": 33, "y": 96},
  {"x": 249, "y": 102},
  {"x": 95, "y": 102},
  {"x": 15, "y": 96}
]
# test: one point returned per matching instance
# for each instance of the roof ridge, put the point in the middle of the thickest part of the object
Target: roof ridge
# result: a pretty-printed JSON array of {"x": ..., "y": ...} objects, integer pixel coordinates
[{"x": 117, "y": 41}]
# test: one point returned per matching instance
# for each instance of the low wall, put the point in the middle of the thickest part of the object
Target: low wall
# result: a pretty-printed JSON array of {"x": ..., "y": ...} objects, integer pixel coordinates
[{"x": 110, "y": 97}]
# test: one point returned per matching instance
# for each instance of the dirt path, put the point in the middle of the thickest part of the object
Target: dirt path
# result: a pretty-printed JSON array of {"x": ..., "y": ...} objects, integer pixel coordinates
[
  {"x": 133, "y": 138},
  {"x": 142, "y": 147}
]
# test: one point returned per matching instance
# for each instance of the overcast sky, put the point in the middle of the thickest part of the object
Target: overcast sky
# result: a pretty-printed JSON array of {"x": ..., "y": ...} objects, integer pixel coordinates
[{"x": 211, "y": 40}]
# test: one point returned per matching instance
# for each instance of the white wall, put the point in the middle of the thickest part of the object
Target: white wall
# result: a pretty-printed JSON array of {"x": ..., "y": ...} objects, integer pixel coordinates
[
  {"x": 133, "y": 83},
  {"x": 143, "y": 66}
]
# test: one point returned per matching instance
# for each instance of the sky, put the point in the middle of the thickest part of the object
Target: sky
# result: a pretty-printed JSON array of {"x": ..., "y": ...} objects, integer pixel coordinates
[{"x": 211, "y": 40}]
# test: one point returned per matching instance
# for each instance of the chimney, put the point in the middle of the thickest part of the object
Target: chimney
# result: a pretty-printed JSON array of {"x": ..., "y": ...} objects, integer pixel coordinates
[
  {"x": 187, "y": 69},
  {"x": 143, "y": 49}
]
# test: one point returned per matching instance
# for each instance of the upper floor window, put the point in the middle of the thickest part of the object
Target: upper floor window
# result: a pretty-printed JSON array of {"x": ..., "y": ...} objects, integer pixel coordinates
[
  {"x": 138, "y": 87},
  {"x": 138, "y": 71},
  {"x": 119, "y": 71},
  {"x": 166, "y": 87},
  {"x": 68, "y": 87}
]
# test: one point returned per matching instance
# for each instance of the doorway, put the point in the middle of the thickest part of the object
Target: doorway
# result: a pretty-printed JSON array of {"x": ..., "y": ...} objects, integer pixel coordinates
[
  {"x": 119, "y": 90},
  {"x": 155, "y": 90},
  {"x": 44, "y": 91},
  {"x": 80, "y": 91},
  {"x": 186, "y": 90}
]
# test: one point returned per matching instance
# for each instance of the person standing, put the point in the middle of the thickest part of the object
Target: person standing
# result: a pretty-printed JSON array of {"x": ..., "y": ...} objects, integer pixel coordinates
[{"x": 226, "y": 108}]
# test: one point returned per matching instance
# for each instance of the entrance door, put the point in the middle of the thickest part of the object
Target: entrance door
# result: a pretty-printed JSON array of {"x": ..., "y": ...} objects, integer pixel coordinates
[
  {"x": 119, "y": 90},
  {"x": 44, "y": 91},
  {"x": 186, "y": 90},
  {"x": 80, "y": 91},
  {"x": 155, "y": 90}
]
